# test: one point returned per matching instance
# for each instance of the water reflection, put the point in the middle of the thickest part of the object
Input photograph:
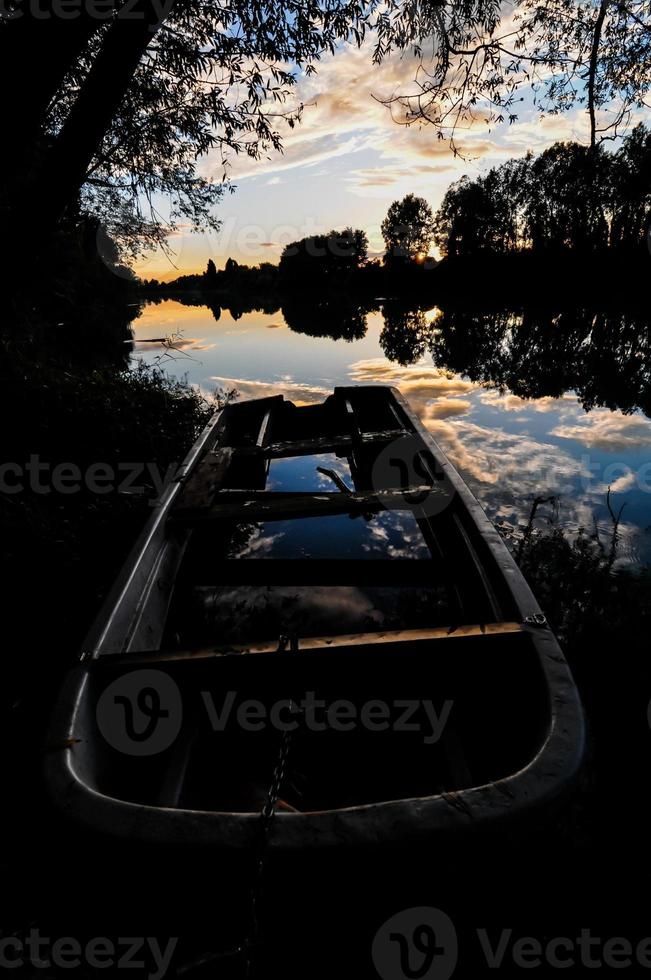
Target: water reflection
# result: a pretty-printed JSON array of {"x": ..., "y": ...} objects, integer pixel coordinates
[
  {"x": 335, "y": 317},
  {"x": 603, "y": 357},
  {"x": 389, "y": 534},
  {"x": 236, "y": 305},
  {"x": 406, "y": 334},
  {"x": 525, "y": 403},
  {"x": 244, "y": 614},
  {"x": 307, "y": 474}
]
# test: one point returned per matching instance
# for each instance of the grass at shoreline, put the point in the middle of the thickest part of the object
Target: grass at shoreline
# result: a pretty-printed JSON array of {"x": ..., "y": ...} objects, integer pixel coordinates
[
  {"x": 63, "y": 550},
  {"x": 578, "y": 583},
  {"x": 64, "y": 544},
  {"x": 601, "y": 615}
]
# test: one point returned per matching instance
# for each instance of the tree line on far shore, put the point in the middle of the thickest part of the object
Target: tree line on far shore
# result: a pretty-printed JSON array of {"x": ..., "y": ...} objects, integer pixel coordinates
[
  {"x": 332, "y": 258},
  {"x": 570, "y": 199}
]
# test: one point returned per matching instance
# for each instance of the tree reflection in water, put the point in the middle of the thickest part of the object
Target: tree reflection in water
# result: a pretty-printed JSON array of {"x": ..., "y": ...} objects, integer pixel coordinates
[
  {"x": 406, "y": 334},
  {"x": 333, "y": 316},
  {"x": 604, "y": 357}
]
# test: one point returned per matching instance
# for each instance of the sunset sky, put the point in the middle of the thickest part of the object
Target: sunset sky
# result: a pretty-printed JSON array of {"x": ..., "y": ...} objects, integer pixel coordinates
[{"x": 344, "y": 164}]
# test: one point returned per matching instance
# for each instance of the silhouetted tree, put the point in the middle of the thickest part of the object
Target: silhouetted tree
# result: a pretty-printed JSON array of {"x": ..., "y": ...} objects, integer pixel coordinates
[
  {"x": 350, "y": 246},
  {"x": 122, "y": 102},
  {"x": 568, "y": 197},
  {"x": 408, "y": 229},
  {"x": 250, "y": 287},
  {"x": 210, "y": 275},
  {"x": 328, "y": 258},
  {"x": 630, "y": 190},
  {"x": 485, "y": 213}
]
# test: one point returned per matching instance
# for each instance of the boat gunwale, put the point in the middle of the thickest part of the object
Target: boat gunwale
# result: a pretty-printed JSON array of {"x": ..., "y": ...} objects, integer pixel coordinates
[{"x": 152, "y": 536}]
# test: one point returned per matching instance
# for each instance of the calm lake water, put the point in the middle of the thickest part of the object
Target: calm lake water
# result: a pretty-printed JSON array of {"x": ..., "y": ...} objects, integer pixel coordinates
[{"x": 524, "y": 406}]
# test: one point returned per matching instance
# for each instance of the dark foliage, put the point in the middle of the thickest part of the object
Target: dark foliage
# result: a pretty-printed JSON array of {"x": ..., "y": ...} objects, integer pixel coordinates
[
  {"x": 568, "y": 197},
  {"x": 80, "y": 297},
  {"x": 66, "y": 547},
  {"x": 326, "y": 260},
  {"x": 602, "y": 615},
  {"x": 406, "y": 333},
  {"x": 408, "y": 230},
  {"x": 123, "y": 106}
]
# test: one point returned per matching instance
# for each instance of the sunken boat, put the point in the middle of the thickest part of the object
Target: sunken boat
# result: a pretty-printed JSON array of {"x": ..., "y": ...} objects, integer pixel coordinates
[{"x": 320, "y": 555}]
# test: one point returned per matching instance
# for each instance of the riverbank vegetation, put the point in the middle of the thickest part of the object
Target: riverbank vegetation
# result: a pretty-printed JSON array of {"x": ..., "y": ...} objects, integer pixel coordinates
[
  {"x": 589, "y": 597},
  {"x": 87, "y": 440},
  {"x": 601, "y": 613},
  {"x": 83, "y": 461}
]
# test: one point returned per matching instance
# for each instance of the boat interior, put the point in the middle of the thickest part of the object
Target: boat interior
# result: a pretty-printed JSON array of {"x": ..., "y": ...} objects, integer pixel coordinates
[{"x": 324, "y": 550}]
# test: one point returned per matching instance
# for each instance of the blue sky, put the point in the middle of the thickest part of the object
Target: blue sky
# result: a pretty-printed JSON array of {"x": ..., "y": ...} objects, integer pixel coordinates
[{"x": 344, "y": 164}]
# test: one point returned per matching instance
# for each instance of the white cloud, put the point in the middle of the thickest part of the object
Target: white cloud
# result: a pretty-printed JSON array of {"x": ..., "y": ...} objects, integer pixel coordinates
[
  {"x": 343, "y": 116},
  {"x": 301, "y": 394},
  {"x": 609, "y": 431},
  {"x": 624, "y": 482},
  {"x": 517, "y": 465},
  {"x": 503, "y": 466},
  {"x": 513, "y": 403}
]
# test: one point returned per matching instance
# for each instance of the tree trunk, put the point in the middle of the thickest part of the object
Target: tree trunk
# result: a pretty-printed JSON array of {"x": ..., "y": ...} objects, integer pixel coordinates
[
  {"x": 61, "y": 170},
  {"x": 592, "y": 73},
  {"x": 35, "y": 57}
]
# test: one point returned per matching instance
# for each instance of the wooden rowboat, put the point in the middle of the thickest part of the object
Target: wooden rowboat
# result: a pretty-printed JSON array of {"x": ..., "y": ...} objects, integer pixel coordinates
[{"x": 327, "y": 553}]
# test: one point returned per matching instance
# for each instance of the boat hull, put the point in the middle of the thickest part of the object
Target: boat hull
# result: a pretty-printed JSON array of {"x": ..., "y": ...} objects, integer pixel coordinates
[{"x": 514, "y": 707}]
